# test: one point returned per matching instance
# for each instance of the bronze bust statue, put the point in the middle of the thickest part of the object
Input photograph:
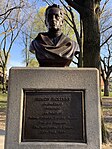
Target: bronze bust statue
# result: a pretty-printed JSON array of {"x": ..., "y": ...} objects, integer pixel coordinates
[{"x": 53, "y": 48}]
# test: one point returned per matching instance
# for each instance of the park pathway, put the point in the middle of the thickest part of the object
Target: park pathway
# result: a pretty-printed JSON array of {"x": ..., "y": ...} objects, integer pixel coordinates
[
  {"x": 2, "y": 127},
  {"x": 2, "y": 139},
  {"x": 107, "y": 113}
]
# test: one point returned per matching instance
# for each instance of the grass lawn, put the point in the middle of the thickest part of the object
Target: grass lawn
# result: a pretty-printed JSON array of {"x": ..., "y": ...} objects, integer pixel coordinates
[{"x": 3, "y": 101}]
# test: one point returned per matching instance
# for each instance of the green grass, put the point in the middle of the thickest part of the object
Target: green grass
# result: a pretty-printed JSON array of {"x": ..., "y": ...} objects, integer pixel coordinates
[
  {"x": 3, "y": 101},
  {"x": 110, "y": 94}
]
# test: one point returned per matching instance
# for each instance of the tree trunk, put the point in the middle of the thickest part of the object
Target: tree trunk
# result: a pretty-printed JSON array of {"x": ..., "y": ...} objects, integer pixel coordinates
[
  {"x": 89, "y": 11},
  {"x": 4, "y": 81},
  {"x": 91, "y": 45},
  {"x": 106, "y": 87},
  {"x": 80, "y": 62}
]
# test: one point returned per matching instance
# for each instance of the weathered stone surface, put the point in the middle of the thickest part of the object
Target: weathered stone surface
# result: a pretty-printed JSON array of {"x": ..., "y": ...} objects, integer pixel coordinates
[{"x": 53, "y": 78}]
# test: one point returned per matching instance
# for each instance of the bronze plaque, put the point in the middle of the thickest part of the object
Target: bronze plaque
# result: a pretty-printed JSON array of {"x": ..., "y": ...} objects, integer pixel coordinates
[{"x": 54, "y": 116}]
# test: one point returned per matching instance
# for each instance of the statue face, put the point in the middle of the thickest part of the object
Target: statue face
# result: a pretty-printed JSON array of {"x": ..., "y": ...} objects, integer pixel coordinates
[{"x": 54, "y": 19}]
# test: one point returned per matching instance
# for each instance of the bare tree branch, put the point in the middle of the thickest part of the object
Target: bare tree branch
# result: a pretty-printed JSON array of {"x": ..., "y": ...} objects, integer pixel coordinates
[
  {"x": 106, "y": 29},
  {"x": 104, "y": 5},
  {"x": 5, "y": 18},
  {"x": 80, "y": 8},
  {"x": 105, "y": 41},
  {"x": 9, "y": 10}
]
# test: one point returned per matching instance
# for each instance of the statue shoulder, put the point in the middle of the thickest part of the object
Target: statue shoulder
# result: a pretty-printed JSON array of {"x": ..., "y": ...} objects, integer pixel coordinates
[
  {"x": 66, "y": 37},
  {"x": 73, "y": 43}
]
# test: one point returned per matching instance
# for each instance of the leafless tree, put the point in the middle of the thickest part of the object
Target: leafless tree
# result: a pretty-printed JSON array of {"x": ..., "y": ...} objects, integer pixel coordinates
[
  {"x": 105, "y": 23},
  {"x": 28, "y": 31},
  {"x": 7, "y": 8},
  {"x": 11, "y": 29},
  {"x": 106, "y": 66},
  {"x": 106, "y": 45}
]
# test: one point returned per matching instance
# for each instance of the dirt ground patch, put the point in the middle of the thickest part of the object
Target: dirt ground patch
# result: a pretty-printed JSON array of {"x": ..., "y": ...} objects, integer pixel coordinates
[{"x": 107, "y": 146}]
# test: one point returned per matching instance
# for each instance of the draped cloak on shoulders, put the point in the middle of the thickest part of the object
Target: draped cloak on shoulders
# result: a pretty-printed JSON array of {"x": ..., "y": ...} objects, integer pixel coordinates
[{"x": 49, "y": 54}]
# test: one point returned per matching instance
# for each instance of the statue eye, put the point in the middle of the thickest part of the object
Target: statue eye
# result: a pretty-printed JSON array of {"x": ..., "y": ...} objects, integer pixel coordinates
[{"x": 57, "y": 16}]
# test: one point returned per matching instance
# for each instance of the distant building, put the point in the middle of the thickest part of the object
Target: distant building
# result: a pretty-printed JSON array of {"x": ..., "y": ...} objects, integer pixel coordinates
[
  {"x": 102, "y": 85},
  {"x": 110, "y": 84}
]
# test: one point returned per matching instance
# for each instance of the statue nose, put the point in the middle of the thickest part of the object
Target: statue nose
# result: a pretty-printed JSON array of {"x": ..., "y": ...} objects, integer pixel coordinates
[{"x": 53, "y": 17}]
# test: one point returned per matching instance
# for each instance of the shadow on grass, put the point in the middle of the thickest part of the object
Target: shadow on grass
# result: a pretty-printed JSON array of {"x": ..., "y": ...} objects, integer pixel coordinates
[
  {"x": 3, "y": 105},
  {"x": 3, "y": 102}
]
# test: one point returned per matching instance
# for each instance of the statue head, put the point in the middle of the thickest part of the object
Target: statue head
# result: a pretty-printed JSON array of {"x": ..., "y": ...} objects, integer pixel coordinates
[{"x": 54, "y": 17}]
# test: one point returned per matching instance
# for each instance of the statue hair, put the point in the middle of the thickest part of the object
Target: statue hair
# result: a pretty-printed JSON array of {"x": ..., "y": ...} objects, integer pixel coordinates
[{"x": 54, "y": 6}]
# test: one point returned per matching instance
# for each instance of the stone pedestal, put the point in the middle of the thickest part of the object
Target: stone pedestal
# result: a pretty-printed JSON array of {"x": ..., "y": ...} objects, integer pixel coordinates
[{"x": 53, "y": 108}]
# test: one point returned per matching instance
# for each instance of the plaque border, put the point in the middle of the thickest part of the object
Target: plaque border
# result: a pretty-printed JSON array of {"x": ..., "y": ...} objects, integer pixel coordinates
[{"x": 84, "y": 139}]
